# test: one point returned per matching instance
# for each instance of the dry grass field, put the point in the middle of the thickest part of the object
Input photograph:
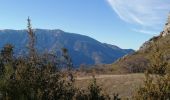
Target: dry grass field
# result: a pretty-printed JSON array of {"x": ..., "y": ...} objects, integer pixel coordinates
[{"x": 124, "y": 85}]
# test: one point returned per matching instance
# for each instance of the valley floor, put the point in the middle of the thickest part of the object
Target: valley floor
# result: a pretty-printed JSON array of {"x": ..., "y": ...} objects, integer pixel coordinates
[{"x": 124, "y": 85}]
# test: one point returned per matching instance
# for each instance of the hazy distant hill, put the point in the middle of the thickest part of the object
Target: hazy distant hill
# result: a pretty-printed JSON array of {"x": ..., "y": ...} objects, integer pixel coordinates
[{"x": 83, "y": 49}]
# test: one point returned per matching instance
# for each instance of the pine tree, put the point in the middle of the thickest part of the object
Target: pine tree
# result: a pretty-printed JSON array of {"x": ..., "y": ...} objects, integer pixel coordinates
[{"x": 32, "y": 40}]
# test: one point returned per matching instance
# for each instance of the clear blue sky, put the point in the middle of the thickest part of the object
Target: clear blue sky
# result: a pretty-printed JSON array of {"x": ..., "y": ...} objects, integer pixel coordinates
[{"x": 125, "y": 23}]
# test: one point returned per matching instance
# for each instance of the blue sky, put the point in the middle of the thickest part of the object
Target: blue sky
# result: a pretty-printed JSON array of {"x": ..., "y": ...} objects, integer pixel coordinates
[{"x": 125, "y": 23}]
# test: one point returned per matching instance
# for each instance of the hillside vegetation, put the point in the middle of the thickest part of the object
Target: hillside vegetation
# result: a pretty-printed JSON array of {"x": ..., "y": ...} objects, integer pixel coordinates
[{"x": 140, "y": 60}]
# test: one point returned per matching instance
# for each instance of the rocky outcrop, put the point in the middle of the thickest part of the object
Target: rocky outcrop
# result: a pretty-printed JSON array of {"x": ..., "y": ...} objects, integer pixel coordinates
[
  {"x": 167, "y": 28},
  {"x": 165, "y": 32}
]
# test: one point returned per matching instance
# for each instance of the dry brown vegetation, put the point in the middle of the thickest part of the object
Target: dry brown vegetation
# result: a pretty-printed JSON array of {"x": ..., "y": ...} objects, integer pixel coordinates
[
  {"x": 140, "y": 60},
  {"x": 124, "y": 85}
]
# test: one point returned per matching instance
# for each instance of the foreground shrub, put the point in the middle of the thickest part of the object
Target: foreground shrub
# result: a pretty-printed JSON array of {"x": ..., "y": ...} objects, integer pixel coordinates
[{"x": 32, "y": 77}]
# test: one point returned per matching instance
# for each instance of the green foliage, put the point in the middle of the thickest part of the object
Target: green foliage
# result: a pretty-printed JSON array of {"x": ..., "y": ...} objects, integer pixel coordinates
[
  {"x": 33, "y": 77},
  {"x": 38, "y": 76}
]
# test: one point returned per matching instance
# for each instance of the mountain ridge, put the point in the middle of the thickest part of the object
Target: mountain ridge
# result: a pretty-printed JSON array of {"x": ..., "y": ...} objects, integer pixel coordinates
[{"x": 82, "y": 49}]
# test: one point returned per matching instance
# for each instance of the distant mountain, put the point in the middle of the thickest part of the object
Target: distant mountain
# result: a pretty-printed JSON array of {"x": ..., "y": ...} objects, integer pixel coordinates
[{"x": 82, "y": 49}]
